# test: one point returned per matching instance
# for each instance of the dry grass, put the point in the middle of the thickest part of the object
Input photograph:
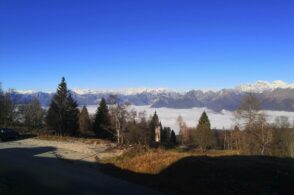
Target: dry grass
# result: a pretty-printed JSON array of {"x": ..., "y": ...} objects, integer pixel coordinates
[
  {"x": 212, "y": 172},
  {"x": 72, "y": 139},
  {"x": 153, "y": 161}
]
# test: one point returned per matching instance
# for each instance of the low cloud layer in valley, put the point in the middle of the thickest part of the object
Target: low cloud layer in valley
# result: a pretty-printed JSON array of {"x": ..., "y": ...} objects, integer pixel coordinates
[{"x": 219, "y": 120}]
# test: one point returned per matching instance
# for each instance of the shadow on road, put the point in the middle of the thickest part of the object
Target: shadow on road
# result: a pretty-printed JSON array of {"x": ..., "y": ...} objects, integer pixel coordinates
[
  {"x": 23, "y": 171},
  {"x": 21, "y": 137},
  {"x": 31, "y": 171}
]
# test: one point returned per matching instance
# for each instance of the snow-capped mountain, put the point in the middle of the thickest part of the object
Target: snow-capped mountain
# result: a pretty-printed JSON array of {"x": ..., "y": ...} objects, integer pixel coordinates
[
  {"x": 126, "y": 91},
  {"x": 277, "y": 95},
  {"x": 261, "y": 86}
]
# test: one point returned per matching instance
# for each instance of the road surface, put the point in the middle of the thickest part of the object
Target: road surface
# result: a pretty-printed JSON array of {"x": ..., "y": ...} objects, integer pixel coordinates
[{"x": 36, "y": 170}]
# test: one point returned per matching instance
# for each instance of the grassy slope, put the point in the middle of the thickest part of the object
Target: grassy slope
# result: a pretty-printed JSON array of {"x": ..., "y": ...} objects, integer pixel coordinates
[
  {"x": 215, "y": 172},
  {"x": 154, "y": 161}
]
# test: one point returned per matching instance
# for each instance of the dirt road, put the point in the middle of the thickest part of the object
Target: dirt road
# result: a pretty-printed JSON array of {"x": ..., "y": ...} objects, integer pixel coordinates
[{"x": 33, "y": 169}]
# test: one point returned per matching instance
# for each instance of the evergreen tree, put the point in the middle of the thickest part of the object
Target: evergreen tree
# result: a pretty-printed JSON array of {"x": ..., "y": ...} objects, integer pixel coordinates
[
  {"x": 72, "y": 116},
  {"x": 165, "y": 135},
  {"x": 7, "y": 110},
  {"x": 84, "y": 120},
  {"x": 1, "y": 108},
  {"x": 173, "y": 138},
  {"x": 56, "y": 117},
  {"x": 204, "y": 135},
  {"x": 102, "y": 125}
]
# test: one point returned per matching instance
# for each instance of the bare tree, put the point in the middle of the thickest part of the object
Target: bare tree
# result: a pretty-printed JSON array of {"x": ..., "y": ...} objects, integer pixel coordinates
[
  {"x": 33, "y": 114},
  {"x": 289, "y": 141},
  {"x": 284, "y": 136},
  {"x": 248, "y": 111},
  {"x": 119, "y": 115},
  {"x": 257, "y": 135},
  {"x": 282, "y": 122}
]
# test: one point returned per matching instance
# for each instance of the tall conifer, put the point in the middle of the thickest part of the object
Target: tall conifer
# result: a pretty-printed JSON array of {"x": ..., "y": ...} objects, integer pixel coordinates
[
  {"x": 204, "y": 134},
  {"x": 102, "y": 125},
  {"x": 84, "y": 120},
  {"x": 72, "y": 116}
]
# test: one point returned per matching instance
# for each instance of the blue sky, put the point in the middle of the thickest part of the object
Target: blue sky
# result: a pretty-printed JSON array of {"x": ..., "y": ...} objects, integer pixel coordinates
[{"x": 179, "y": 44}]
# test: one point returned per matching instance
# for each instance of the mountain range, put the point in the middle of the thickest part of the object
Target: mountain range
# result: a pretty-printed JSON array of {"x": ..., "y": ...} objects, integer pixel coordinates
[{"x": 277, "y": 96}]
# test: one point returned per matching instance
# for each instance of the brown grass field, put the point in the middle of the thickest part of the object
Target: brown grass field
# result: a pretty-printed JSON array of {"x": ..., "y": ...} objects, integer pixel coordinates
[
  {"x": 212, "y": 172},
  {"x": 153, "y": 161}
]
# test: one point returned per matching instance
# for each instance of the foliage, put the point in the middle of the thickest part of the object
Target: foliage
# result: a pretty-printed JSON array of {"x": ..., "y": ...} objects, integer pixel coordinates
[
  {"x": 72, "y": 116},
  {"x": 203, "y": 135},
  {"x": 32, "y": 114},
  {"x": 8, "y": 114},
  {"x": 84, "y": 120},
  {"x": 102, "y": 125},
  {"x": 63, "y": 113}
]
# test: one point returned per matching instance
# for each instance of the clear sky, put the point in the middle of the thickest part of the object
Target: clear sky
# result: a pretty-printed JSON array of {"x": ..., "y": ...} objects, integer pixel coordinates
[{"x": 179, "y": 44}]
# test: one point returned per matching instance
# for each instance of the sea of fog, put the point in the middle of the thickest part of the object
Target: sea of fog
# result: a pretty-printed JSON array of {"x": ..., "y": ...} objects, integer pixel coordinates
[{"x": 219, "y": 120}]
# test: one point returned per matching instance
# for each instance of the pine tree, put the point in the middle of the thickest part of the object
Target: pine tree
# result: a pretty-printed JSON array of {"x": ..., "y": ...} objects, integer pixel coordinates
[
  {"x": 1, "y": 106},
  {"x": 173, "y": 138},
  {"x": 204, "y": 135},
  {"x": 102, "y": 125},
  {"x": 72, "y": 116},
  {"x": 8, "y": 114},
  {"x": 56, "y": 117},
  {"x": 84, "y": 120}
]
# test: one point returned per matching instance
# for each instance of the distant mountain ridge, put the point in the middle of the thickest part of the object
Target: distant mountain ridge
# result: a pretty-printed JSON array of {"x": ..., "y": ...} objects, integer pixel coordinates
[{"x": 278, "y": 96}]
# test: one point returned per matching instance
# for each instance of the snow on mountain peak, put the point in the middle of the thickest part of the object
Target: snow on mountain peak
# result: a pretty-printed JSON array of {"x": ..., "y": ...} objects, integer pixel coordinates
[
  {"x": 126, "y": 91},
  {"x": 261, "y": 86},
  {"x": 258, "y": 87},
  {"x": 25, "y": 91}
]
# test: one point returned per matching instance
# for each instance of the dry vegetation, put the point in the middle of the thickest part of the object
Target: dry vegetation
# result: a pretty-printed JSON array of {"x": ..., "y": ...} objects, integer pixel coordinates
[
  {"x": 72, "y": 139},
  {"x": 153, "y": 161},
  {"x": 212, "y": 172}
]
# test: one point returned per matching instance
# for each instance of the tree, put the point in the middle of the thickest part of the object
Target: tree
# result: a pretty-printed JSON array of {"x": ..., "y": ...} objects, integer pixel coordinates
[
  {"x": 204, "y": 136},
  {"x": 1, "y": 105},
  {"x": 138, "y": 132},
  {"x": 288, "y": 142},
  {"x": 84, "y": 120},
  {"x": 56, "y": 117},
  {"x": 63, "y": 113},
  {"x": 165, "y": 136},
  {"x": 72, "y": 116},
  {"x": 236, "y": 138},
  {"x": 249, "y": 110},
  {"x": 258, "y": 139},
  {"x": 33, "y": 114},
  {"x": 282, "y": 122},
  {"x": 184, "y": 131},
  {"x": 102, "y": 124},
  {"x": 7, "y": 109},
  {"x": 173, "y": 138},
  {"x": 119, "y": 114},
  {"x": 283, "y": 137},
  {"x": 258, "y": 135}
]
